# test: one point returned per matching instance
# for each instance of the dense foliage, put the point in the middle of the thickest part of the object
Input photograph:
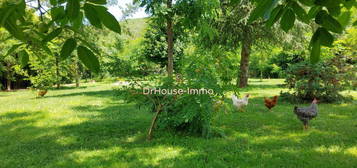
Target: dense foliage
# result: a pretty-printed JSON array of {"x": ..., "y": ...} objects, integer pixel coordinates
[
  {"x": 58, "y": 17},
  {"x": 189, "y": 113},
  {"x": 330, "y": 16},
  {"x": 323, "y": 81},
  {"x": 274, "y": 66},
  {"x": 154, "y": 47}
]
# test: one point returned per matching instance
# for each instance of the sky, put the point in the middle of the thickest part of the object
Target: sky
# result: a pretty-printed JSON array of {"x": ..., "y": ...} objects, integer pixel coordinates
[{"x": 116, "y": 10}]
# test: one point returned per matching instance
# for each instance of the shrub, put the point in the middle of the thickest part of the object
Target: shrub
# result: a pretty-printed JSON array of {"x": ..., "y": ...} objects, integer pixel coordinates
[
  {"x": 188, "y": 113},
  {"x": 324, "y": 80}
]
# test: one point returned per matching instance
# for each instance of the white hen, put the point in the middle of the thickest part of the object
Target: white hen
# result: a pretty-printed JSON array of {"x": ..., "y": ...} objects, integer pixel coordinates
[{"x": 239, "y": 103}]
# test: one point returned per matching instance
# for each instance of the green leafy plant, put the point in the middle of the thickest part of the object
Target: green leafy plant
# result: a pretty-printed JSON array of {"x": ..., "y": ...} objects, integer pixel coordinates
[
  {"x": 61, "y": 17},
  {"x": 188, "y": 113},
  {"x": 323, "y": 81},
  {"x": 330, "y": 16}
]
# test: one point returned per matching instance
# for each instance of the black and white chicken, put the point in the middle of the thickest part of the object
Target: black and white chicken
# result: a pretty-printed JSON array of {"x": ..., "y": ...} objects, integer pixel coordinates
[{"x": 305, "y": 114}]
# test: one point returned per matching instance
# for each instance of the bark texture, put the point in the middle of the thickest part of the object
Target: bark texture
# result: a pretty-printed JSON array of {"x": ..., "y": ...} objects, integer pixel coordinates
[
  {"x": 244, "y": 61},
  {"x": 170, "y": 42}
]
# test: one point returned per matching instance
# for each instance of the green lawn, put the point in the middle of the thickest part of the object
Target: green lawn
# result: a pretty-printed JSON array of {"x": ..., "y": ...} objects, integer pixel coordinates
[{"x": 89, "y": 127}]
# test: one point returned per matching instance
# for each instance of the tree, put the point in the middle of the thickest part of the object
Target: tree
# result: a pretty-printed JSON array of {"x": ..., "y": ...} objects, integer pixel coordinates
[
  {"x": 236, "y": 32},
  {"x": 178, "y": 16},
  {"x": 8, "y": 60},
  {"x": 157, "y": 8},
  {"x": 154, "y": 46}
]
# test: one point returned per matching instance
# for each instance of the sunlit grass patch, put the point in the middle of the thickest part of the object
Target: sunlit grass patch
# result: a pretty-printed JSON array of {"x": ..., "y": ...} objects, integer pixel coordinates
[{"x": 91, "y": 127}]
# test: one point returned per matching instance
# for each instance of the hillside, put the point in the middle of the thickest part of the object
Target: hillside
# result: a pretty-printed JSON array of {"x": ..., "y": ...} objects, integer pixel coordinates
[
  {"x": 134, "y": 28},
  {"x": 133, "y": 33}
]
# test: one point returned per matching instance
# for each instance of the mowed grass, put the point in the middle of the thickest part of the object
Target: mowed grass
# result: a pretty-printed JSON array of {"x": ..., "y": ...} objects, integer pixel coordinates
[{"x": 90, "y": 127}]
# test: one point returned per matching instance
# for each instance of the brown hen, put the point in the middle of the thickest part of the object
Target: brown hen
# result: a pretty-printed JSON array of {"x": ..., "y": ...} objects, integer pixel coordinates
[
  {"x": 270, "y": 103},
  {"x": 41, "y": 93}
]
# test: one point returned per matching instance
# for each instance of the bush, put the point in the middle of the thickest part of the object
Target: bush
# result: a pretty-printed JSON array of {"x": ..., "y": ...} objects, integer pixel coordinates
[
  {"x": 324, "y": 80},
  {"x": 188, "y": 113}
]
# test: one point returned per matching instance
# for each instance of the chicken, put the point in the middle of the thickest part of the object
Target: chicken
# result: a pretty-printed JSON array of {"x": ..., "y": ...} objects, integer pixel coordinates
[
  {"x": 41, "y": 93},
  {"x": 240, "y": 103},
  {"x": 305, "y": 114},
  {"x": 270, "y": 103}
]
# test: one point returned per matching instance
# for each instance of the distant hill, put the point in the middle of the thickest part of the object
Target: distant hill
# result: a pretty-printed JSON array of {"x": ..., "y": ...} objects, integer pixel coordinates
[
  {"x": 133, "y": 31},
  {"x": 134, "y": 28}
]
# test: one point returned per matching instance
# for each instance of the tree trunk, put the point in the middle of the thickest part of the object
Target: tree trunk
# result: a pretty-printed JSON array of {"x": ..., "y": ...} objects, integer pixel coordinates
[
  {"x": 244, "y": 61},
  {"x": 170, "y": 42},
  {"x": 57, "y": 72},
  {"x": 8, "y": 83},
  {"x": 153, "y": 122},
  {"x": 261, "y": 76},
  {"x": 76, "y": 71},
  {"x": 8, "y": 77}
]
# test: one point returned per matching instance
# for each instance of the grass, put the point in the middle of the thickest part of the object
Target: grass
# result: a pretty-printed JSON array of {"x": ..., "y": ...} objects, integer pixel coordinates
[{"x": 90, "y": 127}]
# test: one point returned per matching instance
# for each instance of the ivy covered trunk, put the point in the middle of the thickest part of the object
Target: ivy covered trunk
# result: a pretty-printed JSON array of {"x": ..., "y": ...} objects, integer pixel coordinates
[
  {"x": 170, "y": 42},
  {"x": 244, "y": 61}
]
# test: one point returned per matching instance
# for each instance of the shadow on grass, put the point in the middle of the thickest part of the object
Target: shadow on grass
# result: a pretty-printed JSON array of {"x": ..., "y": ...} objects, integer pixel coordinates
[
  {"x": 100, "y": 93},
  {"x": 23, "y": 144},
  {"x": 114, "y": 136},
  {"x": 69, "y": 87}
]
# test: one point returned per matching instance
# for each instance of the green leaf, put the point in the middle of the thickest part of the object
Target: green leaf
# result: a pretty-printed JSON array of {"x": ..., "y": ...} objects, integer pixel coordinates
[
  {"x": 72, "y": 9},
  {"x": 24, "y": 58},
  {"x": 334, "y": 11},
  {"x": 260, "y": 10},
  {"x": 57, "y": 13},
  {"x": 89, "y": 45},
  {"x": 46, "y": 49},
  {"x": 77, "y": 23},
  {"x": 13, "y": 48},
  {"x": 288, "y": 20},
  {"x": 101, "y": 2},
  {"x": 319, "y": 18},
  {"x": 275, "y": 15},
  {"x": 5, "y": 13},
  {"x": 91, "y": 15},
  {"x": 52, "y": 35},
  {"x": 88, "y": 59},
  {"x": 299, "y": 11},
  {"x": 14, "y": 30},
  {"x": 331, "y": 24},
  {"x": 53, "y": 2},
  {"x": 107, "y": 19},
  {"x": 307, "y": 2},
  {"x": 20, "y": 7},
  {"x": 325, "y": 37},
  {"x": 67, "y": 48},
  {"x": 313, "y": 11},
  {"x": 270, "y": 8},
  {"x": 315, "y": 51},
  {"x": 328, "y": 3}
]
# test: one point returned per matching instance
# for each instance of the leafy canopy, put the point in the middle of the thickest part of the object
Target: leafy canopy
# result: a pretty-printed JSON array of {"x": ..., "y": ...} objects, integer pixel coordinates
[
  {"x": 57, "y": 18},
  {"x": 330, "y": 16}
]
